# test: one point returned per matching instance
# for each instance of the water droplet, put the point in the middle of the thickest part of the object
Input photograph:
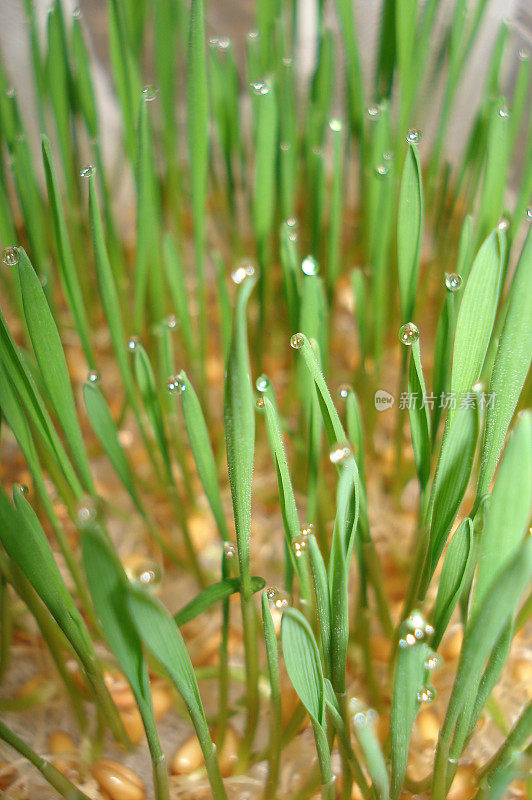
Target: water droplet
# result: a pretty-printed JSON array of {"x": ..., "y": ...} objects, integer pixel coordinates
[
  {"x": 503, "y": 112},
  {"x": 224, "y": 42},
  {"x": 340, "y": 453},
  {"x": 133, "y": 343},
  {"x": 259, "y": 403},
  {"x": 230, "y": 550},
  {"x": 382, "y": 170},
  {"x": 309, "y": 266},
  {"x": 292, "y": 236},
  {"x": 426, "y": 695},
  {"x": 360, "y": 719},
  {"x": 523, "y": 55},
  {"x": 262, "y": 383},
  {"x": 148, "y": 574},
  {"x": 413, "y": 136},
  {"x": 417, "y": 624},
  {"x": 10, "y": 256},
  {"x": 93, "y": 376},
  {"x": 21, "y": 488},
  {"x": 453, "y": 281},
  {"x": 344, "y": 391},
  {"x": 409, "y": 333},
  {"x": 503, "y": 224},
  {"x": 374, "y": 112},
  {"x": 87, "y": 171},
  {"x": 387, "y": 156},
  {"x": 432, "y": 661},
  {"x": 277, "y": 599},
  {"x": 300, "y": 542},
  {"x": 410, "y": 639},
  {"x": 528, "y": 212},
  {"x": 297, "y": 341},
  {"x": 175, "y": 385},
  {"x": 242, "y": 272},
  {"x": 291, "y": 222},
  {"x": 477, "y": 387},
  {"x": 260, "y": 87},
  {"x": 253, "y": 35},
  {"x": 150, "y": 93},
  {"x": 87, "y": 511},
  {"x": 213, "y": 41},
  {"x": 171, "y": 321},
  {"x": 335, "y": 124},
  {"x": 402, "y": 643},
  {"x": 285, "y": 146}
]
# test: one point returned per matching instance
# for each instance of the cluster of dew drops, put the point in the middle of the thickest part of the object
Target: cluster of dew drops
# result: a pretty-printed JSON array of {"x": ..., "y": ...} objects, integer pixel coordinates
[{"x": 416, "y": 630}]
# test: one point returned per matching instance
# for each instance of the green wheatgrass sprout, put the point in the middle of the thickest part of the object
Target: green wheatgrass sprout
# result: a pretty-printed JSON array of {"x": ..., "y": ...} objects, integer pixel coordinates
[{"x": 288, "y": 239}]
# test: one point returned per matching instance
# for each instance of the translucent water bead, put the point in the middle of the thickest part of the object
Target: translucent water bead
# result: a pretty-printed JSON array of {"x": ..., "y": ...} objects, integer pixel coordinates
[
  {"x": 93, "y": 376},
  {"x": 408, "y": 333},
  {"x": 262, "y": 383},
  {"x": 242, "y": 272},
  {"x": 413, "y": 136},
  {"x": 453, "y": 281},
  {"x": 309, "y": 266},
  {"x": 277, "y": 599},
  {"x": 148, "y": 574},
  {"x": 230, "y": 550},
  {"x": 300, "y": 543},
  {"x": 426, "y": 694},
  {"x": 340, "y": 453},
  {"x": 175, "y": 385},
  {"x": 87, "y": 511},
  {"x": 10, "y": 256},
  {"x": 87, "y": 171},
  {"x": 297, "y": 341}
]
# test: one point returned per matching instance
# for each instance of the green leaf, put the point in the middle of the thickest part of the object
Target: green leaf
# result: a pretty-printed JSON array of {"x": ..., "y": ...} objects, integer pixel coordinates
[
  {"x": 476, "y": 316},
  {"x": 511, "y": 367},
  {"x": 200, "y": 444},
  {"x": 303, "y": 663},
  {"x": 331, "y": 419},
  {"x": 239, "y": 415},
  {"x": 162, "y": 637},
  {"x": 148, "y": 390},
  {"x": 409, "y": 231},
  {"x": 105, "y": 429},
  {"x": 484, "y": 627},
  {"x": 15, "y": 370},
  {"x": 176, "y": 284},
  {"x": 363, "y": 726},
  {"x": 69, "y": 275},
  {"x": 452, "y": 476},
  {"x": 108, "y": 586},
  {"x": 510, "y": 507},
  {"x": 51, "y": 360},
  {"x": 455, "y": 572},
  {"x": 418, "y": 413},
  {"x": 408, "y": 680},
  {"x": 212, "y": 595}
]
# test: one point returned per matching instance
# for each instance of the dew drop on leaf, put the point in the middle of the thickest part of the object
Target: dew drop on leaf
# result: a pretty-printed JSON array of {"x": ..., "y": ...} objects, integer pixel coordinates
[
  {"x": 297, "y": 341},
  {"x": 262, "y": 383},
  {"x": 408, "y": 333},
  {"x": 93, "y": 376},
  {"x": 309, "y": 266},
  {"x": 413, "y": 136},
  {"x": 10, "y": 256},
  {"x": 453, "y": 281},
  {"x": 340, "y": 453}
]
